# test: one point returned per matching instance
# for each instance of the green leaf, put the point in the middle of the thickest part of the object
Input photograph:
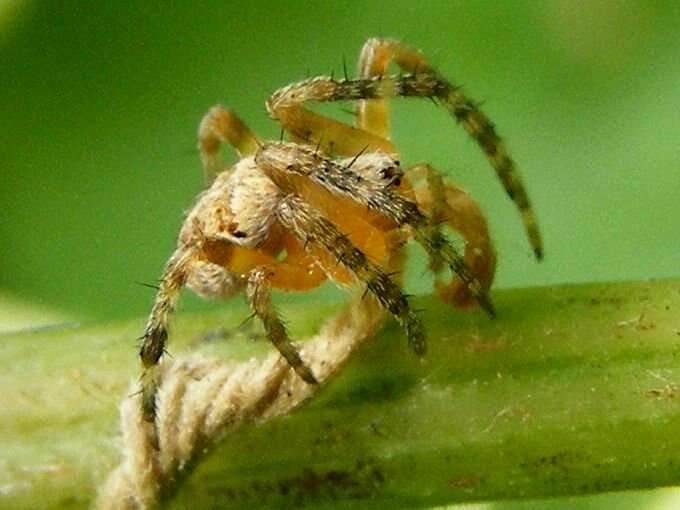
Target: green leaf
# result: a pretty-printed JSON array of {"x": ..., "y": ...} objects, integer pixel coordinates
[{"x": 571, "y": 390}]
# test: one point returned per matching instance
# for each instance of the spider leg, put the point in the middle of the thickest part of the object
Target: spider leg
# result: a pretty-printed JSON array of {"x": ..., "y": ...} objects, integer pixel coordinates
[
  {"x": 329, "y": 135},
  {"x": 284, "y": 104},
  {"x": 374, "y": 59},
  {"x": 220, "y": 126},
  {"x": 259, "y": 296},
  {"x": 313, "y": 230},
  {"x": 299, "y": 271},
  {"x": 156, "y": 331},
  {"x": 446, "y": 203},
  {"x": 289, "y": 166}
]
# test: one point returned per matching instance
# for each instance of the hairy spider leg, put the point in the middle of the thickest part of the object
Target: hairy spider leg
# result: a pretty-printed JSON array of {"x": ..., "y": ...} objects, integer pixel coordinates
[
  {"x": 313, "y": 229},
  {"x": 329, "y": 135},
  {"x": 291, "y": 165},
  {"x": 374, "y": 59},
  {"x": 444, "y": 202},
  {"x": 285, "y": 102},
  {"x": 219, "y": 126},
  {"x": 372, "y": 129},
  {"x": 373, "y": 115},
  {"x": 259, "y": 296},
  {"x": 156, "y": 331}
]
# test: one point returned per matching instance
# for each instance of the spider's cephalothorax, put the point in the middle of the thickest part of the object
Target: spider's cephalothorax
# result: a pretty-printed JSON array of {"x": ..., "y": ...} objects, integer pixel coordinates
[{"x": 334, "y": 202}]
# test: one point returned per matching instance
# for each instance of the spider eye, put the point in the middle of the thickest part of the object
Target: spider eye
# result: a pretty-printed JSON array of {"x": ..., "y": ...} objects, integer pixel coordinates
[
  {"x": 232, "y": 228},
  {"x": 387, "y": 173}
]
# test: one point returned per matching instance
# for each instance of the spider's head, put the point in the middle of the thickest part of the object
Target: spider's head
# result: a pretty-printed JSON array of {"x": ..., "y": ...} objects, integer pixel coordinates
[{"x": 377, "y": 167}]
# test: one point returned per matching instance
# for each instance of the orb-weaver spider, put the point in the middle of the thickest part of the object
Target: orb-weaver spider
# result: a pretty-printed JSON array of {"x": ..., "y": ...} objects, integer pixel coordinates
[{"x": 333, "y": 203}]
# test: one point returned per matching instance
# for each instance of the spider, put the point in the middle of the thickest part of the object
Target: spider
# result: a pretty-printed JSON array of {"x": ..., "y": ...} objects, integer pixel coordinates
[{"x": 331, "y": 203}]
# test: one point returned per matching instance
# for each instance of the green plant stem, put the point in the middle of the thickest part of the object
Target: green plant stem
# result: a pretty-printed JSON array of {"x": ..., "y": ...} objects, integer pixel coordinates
[{"x": 571, "y": 390}]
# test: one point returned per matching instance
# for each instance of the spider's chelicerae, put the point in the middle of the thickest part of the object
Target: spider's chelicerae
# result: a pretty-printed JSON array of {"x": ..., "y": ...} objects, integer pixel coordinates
[{"x": 334, "y": 202}]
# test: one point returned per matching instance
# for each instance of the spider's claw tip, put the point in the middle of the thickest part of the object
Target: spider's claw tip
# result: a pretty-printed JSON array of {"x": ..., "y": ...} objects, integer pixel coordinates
[
  {"x": 308, "y": 376},
  {"x": 487, "y": 305},
  {"x": 538, "y": 252},
  {"x": 419, "y": 347}
]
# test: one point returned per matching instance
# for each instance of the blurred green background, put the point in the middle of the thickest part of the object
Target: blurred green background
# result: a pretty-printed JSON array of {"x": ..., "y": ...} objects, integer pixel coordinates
[{"x": 100, "y": 103}]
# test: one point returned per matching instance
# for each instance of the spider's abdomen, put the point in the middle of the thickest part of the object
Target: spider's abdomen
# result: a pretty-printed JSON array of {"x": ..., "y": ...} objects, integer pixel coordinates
[{"x": 212, "y": 281}]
